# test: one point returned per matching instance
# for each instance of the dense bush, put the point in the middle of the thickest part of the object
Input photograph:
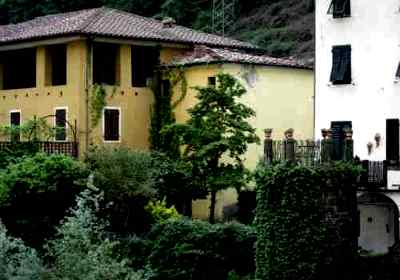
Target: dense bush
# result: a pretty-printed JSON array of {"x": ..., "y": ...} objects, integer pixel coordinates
[
  {"x": 81, "y": 251},
  {"x": 294, "y": 241},
  {"x": 17, "y": 261},
  {"x": 174, "y": 183},
  {"x": 16, "y": 151},
  {"x": 196, "y": 250},
  {"x": 36, "y": 192},
  {"x": 160, "y": 212},
  {"x": 127, "y": 179}
]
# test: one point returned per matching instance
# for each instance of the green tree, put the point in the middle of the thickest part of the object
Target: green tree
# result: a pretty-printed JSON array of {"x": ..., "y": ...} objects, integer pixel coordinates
[{"x": 216, "y": 136}]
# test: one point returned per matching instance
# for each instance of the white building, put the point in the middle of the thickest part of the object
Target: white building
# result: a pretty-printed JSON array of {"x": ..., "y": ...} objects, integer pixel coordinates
[{"x": 357, "y": 64}]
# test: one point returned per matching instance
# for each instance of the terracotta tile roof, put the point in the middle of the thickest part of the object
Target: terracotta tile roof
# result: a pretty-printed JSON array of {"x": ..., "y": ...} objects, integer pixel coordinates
[
  {"x": 207, "y": 55},
  {"x": 112, "y": 23}
]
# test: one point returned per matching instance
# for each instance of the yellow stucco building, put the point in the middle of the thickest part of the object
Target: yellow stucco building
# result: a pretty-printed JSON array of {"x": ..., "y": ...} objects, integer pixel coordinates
[
  {"x": 281, "y": 91},
  {"x": 49, "y": 67}
]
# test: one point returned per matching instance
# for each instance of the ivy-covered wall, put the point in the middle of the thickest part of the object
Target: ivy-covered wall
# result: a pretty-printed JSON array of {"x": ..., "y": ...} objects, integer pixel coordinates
[{"x": 307, "y": 222}]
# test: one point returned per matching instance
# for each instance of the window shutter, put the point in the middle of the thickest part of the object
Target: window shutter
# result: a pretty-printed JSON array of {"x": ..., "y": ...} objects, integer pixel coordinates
[
  {"x": 341, "y": 8},
  {"x": 398, "y": 71},
  {"x": 61, "y": 118},
  {"x": 338, "y": 136},
  {"x": 392, "y": 141},
  {"x": 15, "y": 120},
  {"x": 341, "y": 65},
  {"x": 111, "y": 125}
]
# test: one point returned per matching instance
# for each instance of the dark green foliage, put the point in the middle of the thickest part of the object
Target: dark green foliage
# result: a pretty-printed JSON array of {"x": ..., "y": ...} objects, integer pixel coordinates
[
  {"x": 173, "y": 182},
  {"x": 15, "y": 151},
  {"x": 216, "y": 136},
  {"x": 247, "y": 206},
  {"x": 126, "y": 178},
  {"x": 195, "y": 250},
  {"x": 162, "y": 115},
  {"x": 82, "y": 251},
  {"x": 35, "y": 193},
  {"x": 293, "y": 237}
]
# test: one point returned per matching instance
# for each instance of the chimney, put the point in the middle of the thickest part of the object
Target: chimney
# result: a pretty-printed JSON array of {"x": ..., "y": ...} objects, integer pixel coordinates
[{"x": 168, "y": 22}]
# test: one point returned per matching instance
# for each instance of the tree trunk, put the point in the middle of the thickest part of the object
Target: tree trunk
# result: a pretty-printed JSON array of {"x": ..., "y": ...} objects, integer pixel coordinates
[{"x": 212, "y": 207}]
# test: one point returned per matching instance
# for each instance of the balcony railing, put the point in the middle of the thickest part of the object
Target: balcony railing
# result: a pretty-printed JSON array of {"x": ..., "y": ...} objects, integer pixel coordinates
[
  {"x": 374, "y": 174},
  {"x": 66, "y": 148}
]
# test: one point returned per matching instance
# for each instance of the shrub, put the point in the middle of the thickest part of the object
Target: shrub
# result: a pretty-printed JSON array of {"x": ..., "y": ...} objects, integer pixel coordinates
[
  {"x": 17, "y": 261},
  {"x": 196, "y": 250},
  {"x": 36, "y": 192},
  {"x": 16, "y": 151},
  {"x": 81, "y": 250},
  {"x": 160, "y": 212},
  {"x": 175, "y": 183},
  {"x": 126, "y": 178}
]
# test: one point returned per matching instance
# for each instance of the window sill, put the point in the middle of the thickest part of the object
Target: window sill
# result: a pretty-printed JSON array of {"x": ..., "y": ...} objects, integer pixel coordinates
[
  {"x": 352, "y": 84},
  {"x": 111, "y": 141}
]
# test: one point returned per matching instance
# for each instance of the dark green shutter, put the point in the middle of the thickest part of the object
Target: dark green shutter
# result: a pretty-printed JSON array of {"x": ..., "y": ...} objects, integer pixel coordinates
[
  {"x": 341, "y": 65},
  {"x": 15, "y": 120},
  {"x": 392, "y": 141},
  {"x": 338, "y": 136},
  {"x": 111, "y": 125},
  {"x": 341, "y": 8},
  {"x": 61, "y": 115}
]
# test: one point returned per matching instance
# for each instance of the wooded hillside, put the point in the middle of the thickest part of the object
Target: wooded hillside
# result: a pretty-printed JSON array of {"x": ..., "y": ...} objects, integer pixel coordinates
[{"x": 281, "y": 27}]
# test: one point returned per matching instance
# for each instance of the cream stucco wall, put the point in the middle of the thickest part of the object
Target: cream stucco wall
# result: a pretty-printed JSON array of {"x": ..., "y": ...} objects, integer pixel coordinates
[{"x": 281, "y": 97}]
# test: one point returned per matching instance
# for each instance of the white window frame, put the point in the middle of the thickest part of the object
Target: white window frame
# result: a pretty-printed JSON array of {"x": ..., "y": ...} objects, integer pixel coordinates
[
  {"x": 20, "y": 118},
  {"x": 66, "y": 123},
  {"x": 119, "y": 125}
]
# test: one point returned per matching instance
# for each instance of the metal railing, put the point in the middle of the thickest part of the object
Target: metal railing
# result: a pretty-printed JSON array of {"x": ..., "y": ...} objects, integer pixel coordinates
[
  {"x": 48, "y": 147},
  {"x": 307, "y": 152}
]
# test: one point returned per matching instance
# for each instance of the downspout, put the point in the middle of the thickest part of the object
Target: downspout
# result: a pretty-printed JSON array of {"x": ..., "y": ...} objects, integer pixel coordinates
[{"x": 88, "y": 75}]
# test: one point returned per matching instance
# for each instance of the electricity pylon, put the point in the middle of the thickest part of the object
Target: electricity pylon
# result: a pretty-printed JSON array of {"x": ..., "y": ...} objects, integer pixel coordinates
[{"x": 223, "y": 16}]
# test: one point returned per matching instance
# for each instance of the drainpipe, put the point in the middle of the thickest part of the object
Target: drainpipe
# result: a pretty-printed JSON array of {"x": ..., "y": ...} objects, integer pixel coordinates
[{"x": 88, "y": 74}]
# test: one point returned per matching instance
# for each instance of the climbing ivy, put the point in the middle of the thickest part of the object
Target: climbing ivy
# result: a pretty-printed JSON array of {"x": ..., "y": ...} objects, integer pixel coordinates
[
  {"x": 294, "y": 239},
  {"x": 98, "y": 102},
  {"x": 163, "y": 109}
]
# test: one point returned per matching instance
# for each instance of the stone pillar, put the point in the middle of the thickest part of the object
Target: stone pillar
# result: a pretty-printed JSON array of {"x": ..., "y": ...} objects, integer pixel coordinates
[
  {"x": 289, "y": 144},
  {"x": 326, "y": 146},
  {"x": 268, "y": 150},
  {"x": 348, "y": 149}
]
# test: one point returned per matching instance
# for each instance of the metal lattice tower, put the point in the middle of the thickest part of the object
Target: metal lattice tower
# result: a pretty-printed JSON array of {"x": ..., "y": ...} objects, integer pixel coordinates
[{"x": 223, "y": 16}]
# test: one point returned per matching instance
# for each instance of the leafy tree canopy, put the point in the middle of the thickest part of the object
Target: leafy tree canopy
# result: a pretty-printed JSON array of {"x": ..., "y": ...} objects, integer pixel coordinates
[{"x": 216, "y": 136}]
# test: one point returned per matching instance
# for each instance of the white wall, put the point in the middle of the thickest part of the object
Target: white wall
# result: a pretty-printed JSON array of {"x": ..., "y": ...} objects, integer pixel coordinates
[{"x": 373, "y": 31}]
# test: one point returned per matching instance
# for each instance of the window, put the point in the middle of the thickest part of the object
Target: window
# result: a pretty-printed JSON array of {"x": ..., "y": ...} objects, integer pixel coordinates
[
  {"x": 340, "y": 8},
  {"x": 15, "y": 122},
  {"x": 212, "y": 81},
  {"x": 19, "y": 68},
  {"x": 338, "y": 136},
  {"x": 56, "y": 65},
  {"x": 144, "y": 62},
  {"x": 106, "y": 64},
  {"x": 111, "y": 124},
  {"x": 61, "y": 124},
  {"x": 341, "y": 65}
]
